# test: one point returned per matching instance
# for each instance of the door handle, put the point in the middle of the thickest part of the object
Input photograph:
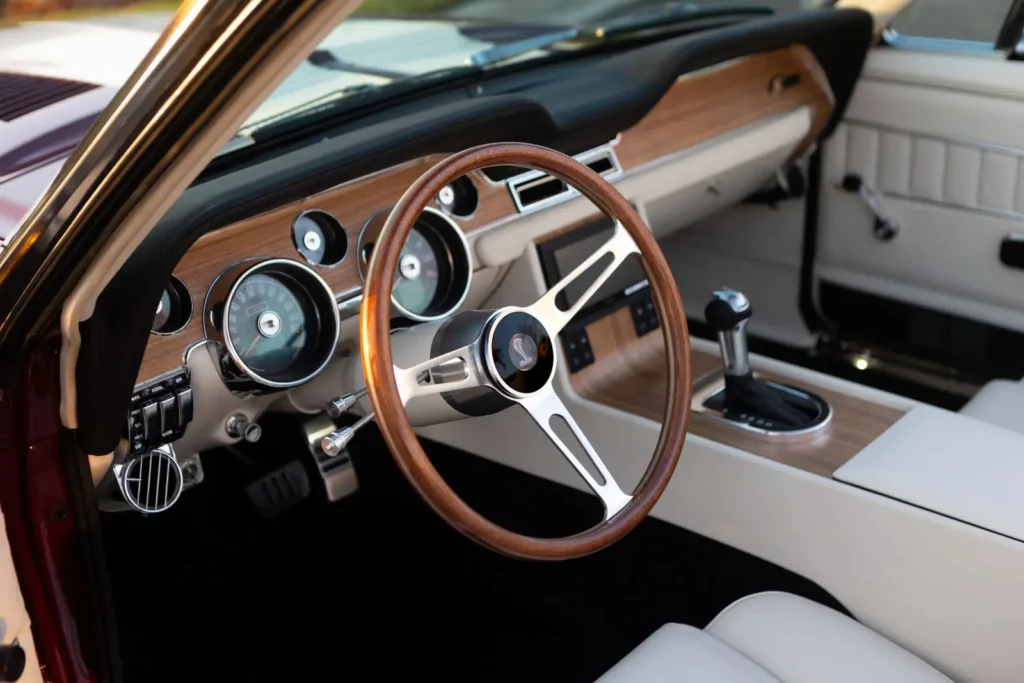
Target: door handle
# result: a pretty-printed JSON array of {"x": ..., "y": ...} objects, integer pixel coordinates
[{"x": 886, "y": 227}]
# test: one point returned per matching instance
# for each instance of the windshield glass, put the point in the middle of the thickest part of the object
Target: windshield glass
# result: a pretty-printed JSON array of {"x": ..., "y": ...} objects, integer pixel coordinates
[{"x": 389, "y": 41}]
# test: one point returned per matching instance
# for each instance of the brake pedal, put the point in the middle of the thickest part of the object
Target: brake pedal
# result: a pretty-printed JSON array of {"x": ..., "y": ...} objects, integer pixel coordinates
[{"x": 279, "y": 491}]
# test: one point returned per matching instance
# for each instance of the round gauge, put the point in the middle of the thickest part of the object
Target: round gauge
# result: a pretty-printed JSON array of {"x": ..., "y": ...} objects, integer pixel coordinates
[
  {"x": 434, "y": 272},
  {"x": 174, "y": 309},
  {"x": 268, "y": 323},
  {"x": 319, "y": 238},
  {"x": 418, "y": 280},
  {"x": 278, "y": 321}
]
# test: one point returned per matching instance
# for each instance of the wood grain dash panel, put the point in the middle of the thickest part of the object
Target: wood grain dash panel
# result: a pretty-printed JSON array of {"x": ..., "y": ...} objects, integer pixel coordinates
[
  {"x": 721, "y": 99},
  {"x": 696, "y": 109},
  {"x": 628, "y": 374}
]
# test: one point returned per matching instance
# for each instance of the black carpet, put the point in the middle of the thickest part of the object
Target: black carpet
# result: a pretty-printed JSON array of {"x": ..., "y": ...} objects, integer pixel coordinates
[{"x": 377, "y": 586}]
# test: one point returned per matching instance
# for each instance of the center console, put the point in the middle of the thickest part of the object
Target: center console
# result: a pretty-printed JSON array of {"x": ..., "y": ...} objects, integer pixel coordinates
[{"x": 616, "y": 358}]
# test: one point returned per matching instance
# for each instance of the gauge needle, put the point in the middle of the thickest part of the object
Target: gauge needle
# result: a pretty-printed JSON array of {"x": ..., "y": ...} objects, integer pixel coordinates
[{"x": 251, "y": 346}]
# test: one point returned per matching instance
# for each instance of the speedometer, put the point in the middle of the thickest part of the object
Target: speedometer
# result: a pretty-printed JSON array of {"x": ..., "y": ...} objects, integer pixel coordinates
[
  {"x": 268, "y": 324},
  {"x": 277, "y": 321}
]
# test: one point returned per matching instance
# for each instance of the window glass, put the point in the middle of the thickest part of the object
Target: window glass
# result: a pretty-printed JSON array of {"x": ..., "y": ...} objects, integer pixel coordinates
[{"x": 978, "y": 20}]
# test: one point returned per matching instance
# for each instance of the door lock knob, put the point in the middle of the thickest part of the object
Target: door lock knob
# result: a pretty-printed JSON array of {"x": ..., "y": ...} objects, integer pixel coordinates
[{"x": 12, "y": 663}]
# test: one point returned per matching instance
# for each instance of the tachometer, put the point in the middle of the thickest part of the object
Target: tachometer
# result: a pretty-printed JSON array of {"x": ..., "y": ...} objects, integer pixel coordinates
[
  {"x": 434, "y": 269},
  {"x": 277, "y": 321},
  {"x": 418, "y": 281}
]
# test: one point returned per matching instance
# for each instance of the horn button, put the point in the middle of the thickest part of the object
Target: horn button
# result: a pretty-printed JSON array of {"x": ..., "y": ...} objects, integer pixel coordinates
[{"x": 520, "y": 355}]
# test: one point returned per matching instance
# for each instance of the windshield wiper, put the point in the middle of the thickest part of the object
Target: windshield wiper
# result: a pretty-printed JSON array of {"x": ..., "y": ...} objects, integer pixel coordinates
[{"x": 501, "y": 53}]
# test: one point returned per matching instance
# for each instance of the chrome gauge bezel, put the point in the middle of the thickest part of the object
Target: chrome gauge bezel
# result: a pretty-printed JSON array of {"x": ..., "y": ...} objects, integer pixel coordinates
[
  {"x": 324, "y": 306},
  {"x": 460, "y": 261}
]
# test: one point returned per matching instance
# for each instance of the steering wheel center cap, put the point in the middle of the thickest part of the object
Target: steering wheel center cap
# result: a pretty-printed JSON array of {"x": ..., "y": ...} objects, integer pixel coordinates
[{"x": 520, "y": 353}]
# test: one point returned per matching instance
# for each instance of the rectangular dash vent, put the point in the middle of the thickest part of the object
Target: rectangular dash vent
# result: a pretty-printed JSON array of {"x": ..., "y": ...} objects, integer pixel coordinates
[{"x": 536, "y": 190}]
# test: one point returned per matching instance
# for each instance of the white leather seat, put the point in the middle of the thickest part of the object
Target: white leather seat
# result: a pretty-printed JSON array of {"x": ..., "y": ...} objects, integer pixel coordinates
[
  {"x": 1000, "y": 402},
  {"x": 771, "y": 638}
]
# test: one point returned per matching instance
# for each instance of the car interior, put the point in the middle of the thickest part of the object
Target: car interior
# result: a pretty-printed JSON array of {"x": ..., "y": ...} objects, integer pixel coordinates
[{"x": 790, "y": 242}]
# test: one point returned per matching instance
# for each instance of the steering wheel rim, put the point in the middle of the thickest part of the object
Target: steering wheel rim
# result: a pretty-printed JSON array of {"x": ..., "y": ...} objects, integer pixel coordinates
[{"x": 383, "y": 385}]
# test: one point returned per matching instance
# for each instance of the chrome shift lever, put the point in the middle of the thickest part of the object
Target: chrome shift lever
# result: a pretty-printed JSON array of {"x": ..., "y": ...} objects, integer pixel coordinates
[{"x": 728, "y": 313}]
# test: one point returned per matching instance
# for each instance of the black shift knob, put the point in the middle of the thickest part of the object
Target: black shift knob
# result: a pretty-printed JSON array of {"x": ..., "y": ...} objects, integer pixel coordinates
[{"x": 727, "y": 309}]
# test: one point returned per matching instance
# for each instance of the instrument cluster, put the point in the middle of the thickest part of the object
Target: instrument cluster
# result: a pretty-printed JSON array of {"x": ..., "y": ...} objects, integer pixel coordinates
[{"x": 276, "y": 320}]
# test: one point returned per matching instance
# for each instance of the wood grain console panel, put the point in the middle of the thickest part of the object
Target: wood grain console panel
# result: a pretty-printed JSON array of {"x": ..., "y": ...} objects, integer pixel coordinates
[
  {"x": 697, "y": 108},
  {"x": 628, "y": 374}
]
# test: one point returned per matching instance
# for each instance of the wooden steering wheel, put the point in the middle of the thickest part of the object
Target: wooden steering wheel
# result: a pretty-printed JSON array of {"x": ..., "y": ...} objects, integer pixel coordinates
[{"x": 515, "y": 354}]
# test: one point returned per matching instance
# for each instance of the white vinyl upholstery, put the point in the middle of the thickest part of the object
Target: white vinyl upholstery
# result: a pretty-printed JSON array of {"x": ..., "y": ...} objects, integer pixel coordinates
[
  {"x": 1000, "y": 402},
  {"x": 772, "y": 638}
]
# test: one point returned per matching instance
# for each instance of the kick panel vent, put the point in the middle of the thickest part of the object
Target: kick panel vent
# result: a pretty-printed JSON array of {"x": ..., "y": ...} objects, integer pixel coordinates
[
  {"x": 22, "y": 94},
  {"x": 537, "y": 190},
  {"x": 151, "y": 482}
]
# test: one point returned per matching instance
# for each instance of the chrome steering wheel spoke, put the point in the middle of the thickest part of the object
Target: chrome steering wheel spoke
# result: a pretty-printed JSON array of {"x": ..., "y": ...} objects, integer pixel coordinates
[
  {"x": 545, "y": 405},
  {"x": 620, "y": 246},
  {"x": 452, "y": 371}
]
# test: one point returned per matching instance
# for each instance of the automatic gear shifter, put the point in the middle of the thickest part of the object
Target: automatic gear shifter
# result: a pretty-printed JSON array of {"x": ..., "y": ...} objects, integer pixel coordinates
[
  {"x": 748, "y": 400},
  {"x": 728, "y": 313}
]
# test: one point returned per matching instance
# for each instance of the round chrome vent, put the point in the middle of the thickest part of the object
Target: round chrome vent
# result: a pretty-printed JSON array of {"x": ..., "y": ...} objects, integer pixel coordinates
[{"x": 151, "y": 482}]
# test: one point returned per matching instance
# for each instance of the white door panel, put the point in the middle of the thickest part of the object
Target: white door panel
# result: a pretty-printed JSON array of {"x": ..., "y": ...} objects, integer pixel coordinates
[
  {"x": 14, "y": 621},
  {"x": 940, "y": 138}
]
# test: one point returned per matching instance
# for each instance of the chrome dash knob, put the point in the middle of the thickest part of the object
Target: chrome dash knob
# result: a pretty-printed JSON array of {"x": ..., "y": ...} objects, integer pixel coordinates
[
  {"x": 335, "y": 443},
  {"x": 340, "y": 405}
]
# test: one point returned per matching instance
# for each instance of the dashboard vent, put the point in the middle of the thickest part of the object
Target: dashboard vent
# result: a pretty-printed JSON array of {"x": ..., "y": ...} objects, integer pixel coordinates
[
  {"x": 537, "y": 190},
  {"x": 151, "y": 482}
]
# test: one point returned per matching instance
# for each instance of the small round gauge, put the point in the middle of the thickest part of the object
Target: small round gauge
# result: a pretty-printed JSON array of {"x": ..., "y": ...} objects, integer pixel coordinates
[
  {"x": 174, "y": 309},
  {"x": 278, "y": 321},
  {"x": 434, "y": 271},
  {"x": 319, "y": 238}
]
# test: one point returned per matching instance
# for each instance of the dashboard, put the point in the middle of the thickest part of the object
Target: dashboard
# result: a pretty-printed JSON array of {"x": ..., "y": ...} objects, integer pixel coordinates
[
  {"x": 265, "y": 265},
  {"x": 332, "y": 233}
]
